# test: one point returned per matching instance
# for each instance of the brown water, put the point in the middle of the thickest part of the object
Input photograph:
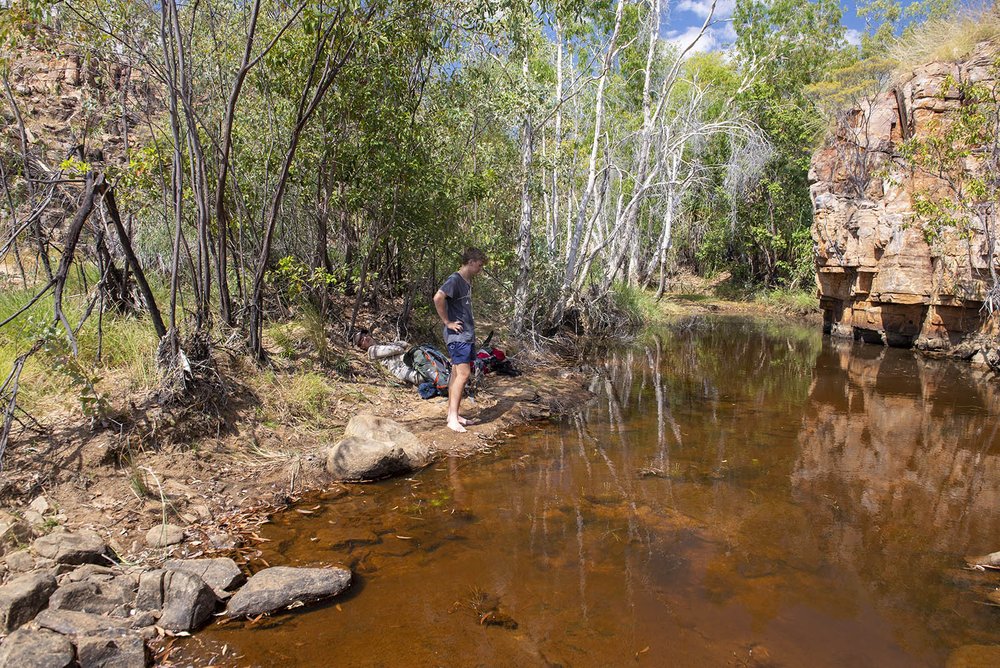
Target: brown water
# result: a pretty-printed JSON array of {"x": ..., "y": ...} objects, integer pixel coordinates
[{"x": 738, "y": 494}]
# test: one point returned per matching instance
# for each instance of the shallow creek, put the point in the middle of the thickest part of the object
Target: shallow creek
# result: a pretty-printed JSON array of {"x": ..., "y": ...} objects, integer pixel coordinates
[{"x": 739, "y": 493}]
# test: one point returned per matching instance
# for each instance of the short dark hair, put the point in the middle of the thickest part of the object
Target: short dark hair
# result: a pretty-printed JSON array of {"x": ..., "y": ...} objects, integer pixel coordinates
[
  {"x": 472, "y": 254},
  {"x": 358, "y": 335}
]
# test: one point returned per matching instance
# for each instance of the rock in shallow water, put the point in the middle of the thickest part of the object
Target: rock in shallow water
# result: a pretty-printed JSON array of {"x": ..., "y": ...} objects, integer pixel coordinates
[
  {"x": 278, "y": 587},
  {"x": 36, "y": 648},
  {"x": 975, "y": 656}
]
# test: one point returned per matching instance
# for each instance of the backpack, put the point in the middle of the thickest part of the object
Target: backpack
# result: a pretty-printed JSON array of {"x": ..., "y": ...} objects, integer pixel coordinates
[
  {"x": 431, "y": 364},
  {"x": 494, "y": 360}
]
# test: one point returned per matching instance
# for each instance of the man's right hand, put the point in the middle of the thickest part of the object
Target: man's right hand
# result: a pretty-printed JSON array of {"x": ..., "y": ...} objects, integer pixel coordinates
[{"x": 455, "y": 326}]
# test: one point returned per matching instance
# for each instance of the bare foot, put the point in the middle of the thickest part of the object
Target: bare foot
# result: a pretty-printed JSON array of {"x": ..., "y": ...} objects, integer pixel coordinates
[
  {"x": 462, "y": 421},
  {"x": 455, "y": 425}
]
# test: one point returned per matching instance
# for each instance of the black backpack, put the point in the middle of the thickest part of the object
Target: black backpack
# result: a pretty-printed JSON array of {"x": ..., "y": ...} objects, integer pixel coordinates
[{"x": 431, "y": 364}]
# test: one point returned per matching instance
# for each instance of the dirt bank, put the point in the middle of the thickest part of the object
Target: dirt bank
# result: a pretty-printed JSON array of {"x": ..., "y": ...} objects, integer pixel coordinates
[{"x": 220, "y": 486}]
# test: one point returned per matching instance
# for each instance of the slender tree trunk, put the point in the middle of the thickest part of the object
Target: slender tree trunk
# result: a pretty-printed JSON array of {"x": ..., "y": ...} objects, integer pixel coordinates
[
  {"x": 133, "y": 261},
  {"x": 307, "y": 106},
  {"x": 69, "y": 250},
  {"x": 177, "y": 176},
  {"x": 632, "y": 236},
  {"x": 198, "y": 169},
  {"x": 524, "y": 230},
  {"x": 553, "y": 232},
  {"x": 570, "y": 272}
]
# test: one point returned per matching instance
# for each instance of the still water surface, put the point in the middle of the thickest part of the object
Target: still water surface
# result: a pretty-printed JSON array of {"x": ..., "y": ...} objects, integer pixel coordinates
[{"x": 739, "y": 493}]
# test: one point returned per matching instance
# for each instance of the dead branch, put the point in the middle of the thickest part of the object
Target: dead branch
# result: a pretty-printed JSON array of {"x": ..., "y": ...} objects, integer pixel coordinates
[
  {"x": 9, "y": 389},
  {"x": 72, "y": 238}
]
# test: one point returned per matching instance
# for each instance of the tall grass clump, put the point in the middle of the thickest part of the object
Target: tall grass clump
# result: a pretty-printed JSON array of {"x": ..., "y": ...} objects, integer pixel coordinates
[
  {"x": 789, "y": 300},
  {"x": 127, "y": 346},
  {"x": 948, "y": 38}
]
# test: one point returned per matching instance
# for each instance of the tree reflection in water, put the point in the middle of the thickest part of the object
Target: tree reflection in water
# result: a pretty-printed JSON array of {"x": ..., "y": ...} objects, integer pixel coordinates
[{"x": 734, "y": 486}]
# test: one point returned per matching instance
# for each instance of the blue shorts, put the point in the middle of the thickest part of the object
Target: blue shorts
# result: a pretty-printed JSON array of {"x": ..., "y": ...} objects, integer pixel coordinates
[{"x": 461, "y": 352}]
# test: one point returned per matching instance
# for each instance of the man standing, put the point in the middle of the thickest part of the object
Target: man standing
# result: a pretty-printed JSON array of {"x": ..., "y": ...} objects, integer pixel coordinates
[{"x": 453, "y": 302}]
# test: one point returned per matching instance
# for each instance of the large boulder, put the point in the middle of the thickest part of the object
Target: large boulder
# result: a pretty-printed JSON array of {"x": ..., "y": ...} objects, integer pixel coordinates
[
  {"x": 221, "y": 574},
  {"x": 23, "y": 597},
  {"x": 888, "y": 272},
  {"x": 36, "y": 648},
  {"x": 373, "y": 448},
  {"x": 81, "y": 547},
  {"x": 280, "y": 586}
]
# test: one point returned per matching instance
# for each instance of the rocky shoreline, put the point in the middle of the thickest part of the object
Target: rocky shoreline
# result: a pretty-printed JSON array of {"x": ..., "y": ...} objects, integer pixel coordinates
[
  {"x": 73, "y": 604},
  {"x": 104, "y": 593}
]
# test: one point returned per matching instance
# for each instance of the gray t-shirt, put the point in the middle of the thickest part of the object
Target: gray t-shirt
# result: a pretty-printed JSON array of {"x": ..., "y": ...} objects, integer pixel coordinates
[{"x": 459, "y": 305}]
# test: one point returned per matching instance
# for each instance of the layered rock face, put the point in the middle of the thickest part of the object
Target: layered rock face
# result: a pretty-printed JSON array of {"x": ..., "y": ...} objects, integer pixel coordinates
[
  {"x": 66, "y": 99},
  {"x": 881, "y": 279}
]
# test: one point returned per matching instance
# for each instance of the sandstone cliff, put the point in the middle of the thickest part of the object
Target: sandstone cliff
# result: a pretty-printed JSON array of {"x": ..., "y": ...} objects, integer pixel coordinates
[
  {"x": 64, "y": 98},
  {"x": 882, "y": 277}
]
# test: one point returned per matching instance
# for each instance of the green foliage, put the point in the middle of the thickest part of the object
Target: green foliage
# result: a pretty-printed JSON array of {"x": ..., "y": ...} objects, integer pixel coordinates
[
  {"x": 790, "y": 300},
  {"x": 761, "y": 234},
  {"x": 887, "y": 21},
  {"x": 296, "y": 279},
  {"x": 960, "y": 156},
  {"x": 73, "y": 166},
  {"x": 57, "y": 354}
]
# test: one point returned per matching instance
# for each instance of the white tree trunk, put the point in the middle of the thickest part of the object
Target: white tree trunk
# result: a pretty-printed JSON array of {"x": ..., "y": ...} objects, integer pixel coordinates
[
  {"x": 573, "y": 251},
  {"x": 524, "y": 230}
]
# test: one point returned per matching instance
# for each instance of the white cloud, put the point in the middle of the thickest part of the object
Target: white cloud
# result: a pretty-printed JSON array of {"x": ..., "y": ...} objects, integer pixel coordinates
[
  {"x": 701, "y": 8},
  {"x": 682, "y": 39},
  {"x": 726, "y": 32},
  {"x": 853, "y": 37}
]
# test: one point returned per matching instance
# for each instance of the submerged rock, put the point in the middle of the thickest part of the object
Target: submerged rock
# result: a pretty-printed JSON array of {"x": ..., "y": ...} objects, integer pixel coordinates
[
  {"x": 975, "y": 656},
  {"x": 374, "y": 448},
  {"x": 280, "y": 586},
  {"x": 36, "y": 648},
  {"x": 991, "y": 560},
  {"x": 81, "y": 547},
  {"x": 23, "y": 597}
]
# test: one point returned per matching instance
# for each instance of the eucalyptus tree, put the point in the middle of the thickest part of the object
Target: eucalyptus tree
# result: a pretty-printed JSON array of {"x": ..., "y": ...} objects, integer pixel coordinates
[{"x": 795, "y": 43}]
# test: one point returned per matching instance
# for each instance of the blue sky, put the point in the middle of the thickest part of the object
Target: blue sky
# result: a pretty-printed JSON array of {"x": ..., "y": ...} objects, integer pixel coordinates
[{"x": 687, "y": 16}]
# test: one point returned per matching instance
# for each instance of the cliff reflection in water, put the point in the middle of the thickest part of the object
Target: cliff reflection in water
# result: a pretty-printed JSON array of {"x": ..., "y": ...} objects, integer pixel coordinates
[
  {"x": 736, "y": 489},
  {"x": 899, "y": 464},
  {"x": 903, "y": 437}
]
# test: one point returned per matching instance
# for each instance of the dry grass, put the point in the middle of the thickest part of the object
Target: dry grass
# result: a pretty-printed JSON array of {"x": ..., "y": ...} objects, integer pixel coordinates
[{"x": 949, "y": 39}]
